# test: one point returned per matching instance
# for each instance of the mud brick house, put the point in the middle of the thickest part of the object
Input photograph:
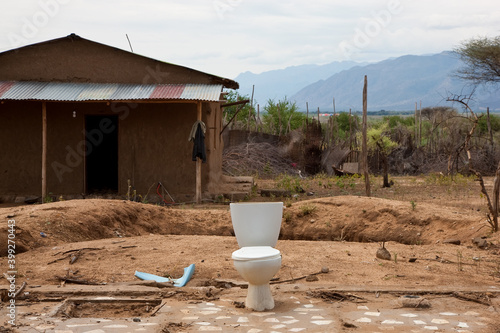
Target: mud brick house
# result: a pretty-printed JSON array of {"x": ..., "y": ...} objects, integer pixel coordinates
[{"x": 80, "y": 117}]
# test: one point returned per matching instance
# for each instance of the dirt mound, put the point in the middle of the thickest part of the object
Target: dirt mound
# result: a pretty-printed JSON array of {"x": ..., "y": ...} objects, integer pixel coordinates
[
  {"x": 347, "y": 218},
  {"x": 362, "y": 219},
  {"x": 83, "y": 220}
]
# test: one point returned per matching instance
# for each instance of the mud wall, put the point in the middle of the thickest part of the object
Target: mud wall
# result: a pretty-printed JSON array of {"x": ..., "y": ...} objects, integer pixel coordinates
[
  {"x": 153, "y": 147},
  {"x": 20, "y": 152}
]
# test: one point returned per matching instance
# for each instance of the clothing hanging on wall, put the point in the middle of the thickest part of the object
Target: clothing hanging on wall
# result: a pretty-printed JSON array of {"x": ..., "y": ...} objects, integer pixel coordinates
[{"x": 197, "y": 135}]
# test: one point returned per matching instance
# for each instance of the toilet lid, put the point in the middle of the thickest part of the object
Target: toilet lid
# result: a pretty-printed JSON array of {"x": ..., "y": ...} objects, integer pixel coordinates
[{"x": 256, "y": 252}]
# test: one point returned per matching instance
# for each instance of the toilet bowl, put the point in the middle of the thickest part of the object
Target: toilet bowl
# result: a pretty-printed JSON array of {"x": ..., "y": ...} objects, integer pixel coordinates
[{"x": 257, "y": 227}]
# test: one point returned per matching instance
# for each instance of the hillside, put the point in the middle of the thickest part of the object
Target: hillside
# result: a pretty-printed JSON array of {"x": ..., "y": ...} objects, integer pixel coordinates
[
  {"x": 395, "y": 84},
  {"x": 279, "y": 83}
]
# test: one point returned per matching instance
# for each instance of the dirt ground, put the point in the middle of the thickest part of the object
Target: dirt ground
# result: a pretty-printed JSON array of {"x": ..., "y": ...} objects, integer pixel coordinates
[{"x": 327, "y": 227}]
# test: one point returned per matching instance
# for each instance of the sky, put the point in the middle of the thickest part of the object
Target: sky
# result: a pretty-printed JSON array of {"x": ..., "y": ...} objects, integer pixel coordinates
[{"x": 228, "y": 37}]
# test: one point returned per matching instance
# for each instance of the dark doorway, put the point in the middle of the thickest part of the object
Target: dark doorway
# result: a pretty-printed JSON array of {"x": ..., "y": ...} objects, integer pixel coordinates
[{"x": 101, "y": 164}]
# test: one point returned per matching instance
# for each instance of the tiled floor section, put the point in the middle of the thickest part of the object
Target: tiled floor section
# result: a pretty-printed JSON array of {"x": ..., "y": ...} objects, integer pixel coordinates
[
  {"x": 292, "y": 314},
  {"x": 415, "y": 320},
  {"x": 220, "y": 316},
  {"x": 301, "y": 318}
]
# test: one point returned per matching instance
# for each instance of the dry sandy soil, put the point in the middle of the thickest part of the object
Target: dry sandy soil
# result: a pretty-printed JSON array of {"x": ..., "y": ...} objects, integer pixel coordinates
[{"x": 335, "y": 228}]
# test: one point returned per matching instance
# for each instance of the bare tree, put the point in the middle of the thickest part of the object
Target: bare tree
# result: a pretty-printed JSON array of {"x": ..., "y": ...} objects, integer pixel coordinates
[{"x": 492, "y": 205}]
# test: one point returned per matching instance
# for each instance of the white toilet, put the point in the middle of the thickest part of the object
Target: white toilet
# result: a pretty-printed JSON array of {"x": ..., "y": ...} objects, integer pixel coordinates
[{"x": 257, "y": 228}]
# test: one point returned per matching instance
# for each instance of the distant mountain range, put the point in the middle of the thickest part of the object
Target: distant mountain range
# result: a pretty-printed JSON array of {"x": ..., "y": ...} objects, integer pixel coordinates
[
  {"x": 277, "y": 84},
  {"x": 393, "y": 84}
]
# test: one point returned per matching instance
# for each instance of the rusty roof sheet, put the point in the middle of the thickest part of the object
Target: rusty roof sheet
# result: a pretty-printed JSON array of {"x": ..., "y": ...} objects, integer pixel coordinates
[{"x": 80, "y": 92}]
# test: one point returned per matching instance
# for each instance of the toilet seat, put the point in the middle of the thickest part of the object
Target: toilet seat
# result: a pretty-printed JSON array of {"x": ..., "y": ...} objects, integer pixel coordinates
[{"x": 256, "y": 253}]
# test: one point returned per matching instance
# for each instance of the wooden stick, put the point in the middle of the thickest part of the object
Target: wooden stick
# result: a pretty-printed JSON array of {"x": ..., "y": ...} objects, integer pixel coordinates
[
  {"x": 20, "y": 290},
  {"x": 44, "y": 150},
  {"x": 350, "y": 130},
  {"x": 77, "y": 281},
  {"x": 58, "y": 259},
  {"x": 235, "y": 103},
  {"x": 83, "y": 248},
  {"x": 158, "y": 308},
  {"x": 74, "y": 258},
  {"x": 307, "y": 114},
  {"x": 365, "y": 144},
  {"x": 490, "y": 133},
  {"x": 198, "y": 162},
  {"x": 257, "y": 121},
  {"x": 279, "y": 119},
  {"x": 295, "y": 279},
  {"x": 251, "y": 108},
  {"x": 235, "y": 114},
  {"x": 420, "y": 124},
  {"x": 470, "y": 299}
]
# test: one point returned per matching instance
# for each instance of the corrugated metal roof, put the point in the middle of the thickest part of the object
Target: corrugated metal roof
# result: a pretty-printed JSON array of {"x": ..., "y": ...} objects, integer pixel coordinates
[{"x": 79, "y": 92}]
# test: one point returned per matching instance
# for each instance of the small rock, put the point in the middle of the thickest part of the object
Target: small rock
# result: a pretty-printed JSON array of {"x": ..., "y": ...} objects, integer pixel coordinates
[
  {"x": 412, "y": 260},
  {"x": 483, "y": 243},
  {"x": 452, "y": 241},
  {"x": 137, "y": 320},
  {"x": 383, "y": 254},
  {"x": 239, "y": 305},
  {"x": 312, "y": 278},
  {"x": 480, "y": 242},
  {"x": 31, "y": 200},
  {"x": 415, "y": 302},
  {"x": 349, "y": 325},
  {"x": 325, "y": 269}
]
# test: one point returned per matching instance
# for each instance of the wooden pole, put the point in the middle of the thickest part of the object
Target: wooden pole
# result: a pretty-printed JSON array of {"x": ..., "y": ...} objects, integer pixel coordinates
[
  {"x": 336, "y": 123},
  {"x": 490, "y": 133},
  {"x": 350, "y": 129},
  {"x": 329, "y": 135},
  {"x": 289, "y": 128},
  {"x": 44, "y": 150},
  {"x": 420, "y": 124},
  {"x": 365, "y": 143},
  {"x": 198, "y": 161},
  {"x": 257, "y": 122},
  {"x": 333, "y": 125},
  {"x": 416, "y": 126},
  {"x": 307, "y": 114},
  {"x": 251, "y": 109},
  {"x": 279, "y": 120}
]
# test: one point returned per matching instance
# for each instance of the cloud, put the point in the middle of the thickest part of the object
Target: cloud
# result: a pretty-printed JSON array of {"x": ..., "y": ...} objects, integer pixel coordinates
[{"x": 227, "y": 37}]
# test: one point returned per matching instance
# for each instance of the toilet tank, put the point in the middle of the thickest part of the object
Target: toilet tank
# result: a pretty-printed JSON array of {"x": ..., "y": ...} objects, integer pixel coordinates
[{"x": 256, "y": 223}]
